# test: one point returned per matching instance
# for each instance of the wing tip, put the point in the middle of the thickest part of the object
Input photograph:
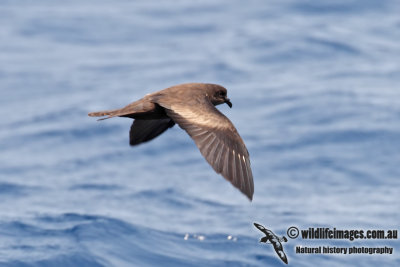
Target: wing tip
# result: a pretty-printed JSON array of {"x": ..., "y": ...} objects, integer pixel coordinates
[
  {"x": 247, "y": 191},
  {"x": 284, "y": 258},
  {"x": 246, "y": 188},
  {"x": 249, "y": 195}
]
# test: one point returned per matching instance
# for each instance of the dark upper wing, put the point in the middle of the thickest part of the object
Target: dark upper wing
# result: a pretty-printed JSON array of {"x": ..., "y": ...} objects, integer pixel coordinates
[
  {"x": 217, "y": 139},
  {"x": 145, "y": 130},
  {"x": 261, "y": 228},
  {"x": 279, "y": 250}
]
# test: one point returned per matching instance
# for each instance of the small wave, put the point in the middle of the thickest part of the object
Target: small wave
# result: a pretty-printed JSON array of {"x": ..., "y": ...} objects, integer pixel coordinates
[{"x": 72, "y": 239}]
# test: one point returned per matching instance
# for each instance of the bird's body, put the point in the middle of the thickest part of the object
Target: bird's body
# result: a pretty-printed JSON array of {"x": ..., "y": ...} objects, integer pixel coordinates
[{"x": 192, "y": 107}]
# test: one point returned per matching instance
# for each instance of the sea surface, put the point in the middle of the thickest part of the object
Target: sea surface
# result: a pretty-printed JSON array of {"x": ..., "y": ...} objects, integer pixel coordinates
[{"x": 315, "y": 87}]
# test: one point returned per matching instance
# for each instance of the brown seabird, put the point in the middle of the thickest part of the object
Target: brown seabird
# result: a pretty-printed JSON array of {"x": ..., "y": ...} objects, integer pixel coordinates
[{"x": 192, "y": 107}]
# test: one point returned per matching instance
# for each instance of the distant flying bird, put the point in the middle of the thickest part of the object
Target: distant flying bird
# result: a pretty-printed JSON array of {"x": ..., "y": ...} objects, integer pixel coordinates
[
  {"x": 192, "y": 107},
  {"x": 274, "y": 240}
]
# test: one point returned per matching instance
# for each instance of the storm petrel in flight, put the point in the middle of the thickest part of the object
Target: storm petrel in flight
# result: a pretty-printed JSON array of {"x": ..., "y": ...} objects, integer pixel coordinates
[
  {"x": 192, "y": 107},
  {"x": 274, "y": 240}
]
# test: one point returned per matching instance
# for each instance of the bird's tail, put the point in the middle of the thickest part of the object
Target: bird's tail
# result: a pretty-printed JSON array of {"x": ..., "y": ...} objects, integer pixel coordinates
[
  {"x": 139, "y": 107},
  {"x": 108, "y": 113}
]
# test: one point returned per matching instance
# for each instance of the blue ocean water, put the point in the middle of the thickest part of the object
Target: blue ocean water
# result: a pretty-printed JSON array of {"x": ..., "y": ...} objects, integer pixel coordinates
[{"x": 315, "y": 87}]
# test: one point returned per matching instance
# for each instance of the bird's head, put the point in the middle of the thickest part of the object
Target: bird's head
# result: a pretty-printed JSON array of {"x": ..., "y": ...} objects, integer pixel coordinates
[
  {"x": 218, "y": 95},
  {"x": 264, "y": 239}
]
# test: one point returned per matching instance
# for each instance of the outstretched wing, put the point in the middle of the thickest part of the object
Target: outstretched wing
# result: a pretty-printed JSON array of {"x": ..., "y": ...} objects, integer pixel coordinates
[
  {"x": 279, "y": 250},
  {"x": 217, "y": 139},
  {"x": 261, "y": 228}
]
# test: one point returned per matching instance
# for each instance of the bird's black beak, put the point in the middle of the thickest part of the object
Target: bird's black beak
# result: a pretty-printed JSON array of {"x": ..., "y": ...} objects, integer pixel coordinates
[{"x": 228, "y": 102}]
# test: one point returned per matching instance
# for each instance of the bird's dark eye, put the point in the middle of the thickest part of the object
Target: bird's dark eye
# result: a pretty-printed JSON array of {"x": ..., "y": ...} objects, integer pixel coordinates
[{"x": 221, "y": 93}]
